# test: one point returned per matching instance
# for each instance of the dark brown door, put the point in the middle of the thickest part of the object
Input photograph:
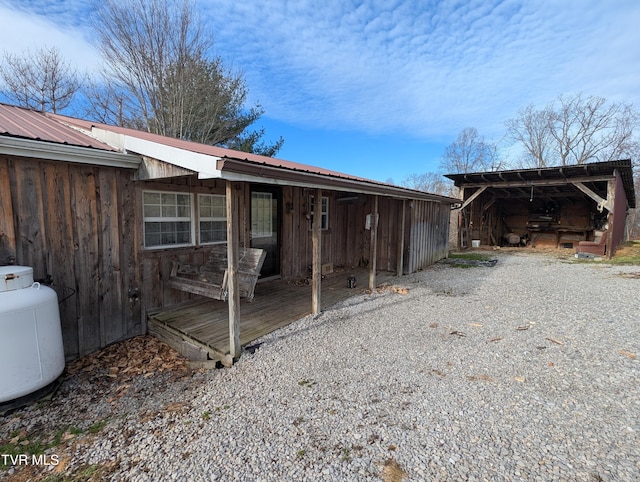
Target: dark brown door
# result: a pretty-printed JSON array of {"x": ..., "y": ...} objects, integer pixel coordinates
[{"x": 265, "y": 226}]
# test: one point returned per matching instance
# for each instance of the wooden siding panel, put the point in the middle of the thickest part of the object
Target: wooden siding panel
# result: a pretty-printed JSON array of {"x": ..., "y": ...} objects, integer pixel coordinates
[
  {"x": 31, "y": 235},
  {"x": 7, "y": 228},
  {"x": 87, "y": 260},
  {"x": 130, "y": 295},
  {"x": 61, "y": 251},
  {"x": 112, "y": 322}
]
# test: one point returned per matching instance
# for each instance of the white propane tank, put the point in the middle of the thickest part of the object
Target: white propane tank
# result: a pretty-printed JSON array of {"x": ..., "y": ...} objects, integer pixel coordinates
[{"x": 31, "y": 349}]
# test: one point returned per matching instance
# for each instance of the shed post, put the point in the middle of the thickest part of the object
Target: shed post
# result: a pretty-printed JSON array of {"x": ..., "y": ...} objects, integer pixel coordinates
[
  {"x": 400, "y": 255},
  {"x": 611, "y": 217},
  {"x": 374, "y": 242},
  {"x": 232, "y": 270},
  {"x": 316, "y": 234}
]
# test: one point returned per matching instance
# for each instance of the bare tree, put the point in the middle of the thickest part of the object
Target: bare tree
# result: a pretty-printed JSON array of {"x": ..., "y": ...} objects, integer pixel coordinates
[
  {"x": 532, "y": 128},
  {"x": 470, "y": 153},
  {"x": 575, "y": 130},
  {"x": 40, "y": 80},
  {"x": 431, "y": 182},
  {"x": 160, "y": 77}
]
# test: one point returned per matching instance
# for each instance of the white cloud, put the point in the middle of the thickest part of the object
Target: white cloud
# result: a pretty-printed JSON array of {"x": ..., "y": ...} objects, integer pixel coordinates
[
  {"x": 37, "y": 25},
  {"x": 426, "y": 70},
  {"x": 416, "y": 67}
]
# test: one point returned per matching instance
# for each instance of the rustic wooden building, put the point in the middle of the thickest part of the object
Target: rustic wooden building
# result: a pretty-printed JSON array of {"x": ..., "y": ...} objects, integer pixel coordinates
[
  {"x": 554, "y": 207},
  {"x": 104, "y": 213}
]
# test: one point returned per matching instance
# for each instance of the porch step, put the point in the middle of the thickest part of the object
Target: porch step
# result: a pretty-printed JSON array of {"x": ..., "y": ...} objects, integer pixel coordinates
[{"x": 190, "y": 348}]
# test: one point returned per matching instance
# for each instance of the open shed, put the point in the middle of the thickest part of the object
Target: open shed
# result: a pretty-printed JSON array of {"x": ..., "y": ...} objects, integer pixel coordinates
[
  {"x": 104, "y": 213},
  {"x": 553, "y": 207}
]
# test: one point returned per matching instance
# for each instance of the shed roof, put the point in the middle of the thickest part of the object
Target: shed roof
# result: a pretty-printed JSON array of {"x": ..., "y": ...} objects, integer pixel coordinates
[{"x": 552, "y": 179}]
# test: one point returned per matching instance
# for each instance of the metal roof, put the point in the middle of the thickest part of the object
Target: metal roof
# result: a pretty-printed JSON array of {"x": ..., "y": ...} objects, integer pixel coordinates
[
  {"x": 514, "y": 183},
  {"x": 263, "y": 168},
  {"x": 38, "y": 126}
]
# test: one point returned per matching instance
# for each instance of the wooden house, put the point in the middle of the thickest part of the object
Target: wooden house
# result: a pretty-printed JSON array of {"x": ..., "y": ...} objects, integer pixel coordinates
[
  {"x": 579, "y": 206},
  {"x": 104, "y": 214}
]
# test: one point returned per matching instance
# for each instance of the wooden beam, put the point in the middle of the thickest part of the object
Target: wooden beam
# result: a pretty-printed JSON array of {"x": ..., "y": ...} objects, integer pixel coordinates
[
  {"x": 538, "y": 182},
  {"x": 232, "y": 270},
  {"x": 611, "y": 218},
  {"x": 473, "y": 197},
  {"x": 374, "y": 244},
  {"x": 316, "y": 236},
  {"x": 400, "y": 255},
  {"x": 602, "y": 203}
]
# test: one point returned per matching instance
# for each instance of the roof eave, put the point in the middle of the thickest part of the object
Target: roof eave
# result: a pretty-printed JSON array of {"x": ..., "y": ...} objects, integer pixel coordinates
[
  {"x": 243, "y": 170},
  {"x": 15, "y": 146}
]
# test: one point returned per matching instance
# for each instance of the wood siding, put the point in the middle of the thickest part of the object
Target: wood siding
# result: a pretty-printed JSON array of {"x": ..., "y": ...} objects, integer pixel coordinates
[
  {"x": 82, "y": 225},
  {"x": 72, "y": 223}
]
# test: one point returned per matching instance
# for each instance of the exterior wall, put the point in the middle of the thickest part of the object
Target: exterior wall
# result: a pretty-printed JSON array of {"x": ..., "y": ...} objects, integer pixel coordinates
[
  {"x": 348, "y": 244},
  {"x": 428, "y": 241},
  {"x": 617, "y": 219},
  {"x": 75, "y": 224},
  {"x": 81, "y": 225}
]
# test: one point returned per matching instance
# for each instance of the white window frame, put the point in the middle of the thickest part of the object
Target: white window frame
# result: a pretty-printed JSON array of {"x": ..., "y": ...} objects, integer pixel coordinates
[
  {"x": 265, "y": 229},
  {"x": 201, "y": 218},
  {"x": 324, "y": 212},
  {"x": 161, "y": 218}
]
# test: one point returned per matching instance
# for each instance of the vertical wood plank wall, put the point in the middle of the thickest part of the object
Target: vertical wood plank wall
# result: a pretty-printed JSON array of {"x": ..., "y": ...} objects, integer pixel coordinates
[
  {"x": 77, "y": 223},
  {"x": 71, "y": 222}
]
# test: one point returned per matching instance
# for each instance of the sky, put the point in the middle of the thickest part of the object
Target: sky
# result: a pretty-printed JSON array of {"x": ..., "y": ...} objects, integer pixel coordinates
[{"x": 379, "y": 88}]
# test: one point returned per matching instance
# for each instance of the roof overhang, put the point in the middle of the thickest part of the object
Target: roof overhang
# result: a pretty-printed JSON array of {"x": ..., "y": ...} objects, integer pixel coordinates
[
  {"x": 244, "y": 170},
  {"x": 15, "y": 146},
  {"x": 202, "y": 164}
]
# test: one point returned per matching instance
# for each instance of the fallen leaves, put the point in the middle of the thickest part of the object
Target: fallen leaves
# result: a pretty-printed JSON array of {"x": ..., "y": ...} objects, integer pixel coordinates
[
  {"x": 628, "y": 354},
  {"x": 141, "y": 355},
  {"x": 392, "y": 471},
  {"x": 386, "y": 287}
]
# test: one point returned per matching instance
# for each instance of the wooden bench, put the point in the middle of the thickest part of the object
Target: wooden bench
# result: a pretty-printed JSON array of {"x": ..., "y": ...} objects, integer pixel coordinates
[{"x": 211, "y": 278}]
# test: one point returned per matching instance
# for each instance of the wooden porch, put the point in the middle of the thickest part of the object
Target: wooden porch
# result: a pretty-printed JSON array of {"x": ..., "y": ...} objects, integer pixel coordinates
[{"x": 199, "y": 329}]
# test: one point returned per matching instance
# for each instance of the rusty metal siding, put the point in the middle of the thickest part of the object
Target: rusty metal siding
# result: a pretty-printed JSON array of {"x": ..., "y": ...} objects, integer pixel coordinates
[{"x": 428, "y": 234}]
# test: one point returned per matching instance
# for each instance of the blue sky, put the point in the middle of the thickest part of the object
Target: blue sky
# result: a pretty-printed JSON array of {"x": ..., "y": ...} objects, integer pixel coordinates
[{"x": 379, "y": 88}]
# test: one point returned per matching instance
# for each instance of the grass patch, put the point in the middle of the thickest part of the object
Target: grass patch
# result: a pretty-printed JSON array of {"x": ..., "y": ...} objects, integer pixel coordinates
[
  {"x": 470, "y": 256},
  {"x": 627, "y": 254}
]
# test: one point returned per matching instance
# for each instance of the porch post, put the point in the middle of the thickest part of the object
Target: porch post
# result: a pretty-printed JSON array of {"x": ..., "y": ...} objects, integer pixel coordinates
[
  {"x": 374, "y": 244},
  {"x": 400, "y": 255},
  {"x": 317, "y": 254},
  {"x": 232, "y": 271}
]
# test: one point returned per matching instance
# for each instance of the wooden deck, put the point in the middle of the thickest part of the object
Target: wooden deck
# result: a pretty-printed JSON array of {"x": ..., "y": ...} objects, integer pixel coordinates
[{"x": 199, "y": 329}]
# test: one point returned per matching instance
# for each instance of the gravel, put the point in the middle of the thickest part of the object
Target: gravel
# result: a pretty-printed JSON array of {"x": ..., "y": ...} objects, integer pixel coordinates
[{"x": 522, "y": 371}]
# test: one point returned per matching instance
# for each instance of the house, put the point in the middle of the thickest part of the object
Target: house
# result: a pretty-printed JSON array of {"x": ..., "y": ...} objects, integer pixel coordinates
[
  {"x": 580, "y": 206},
  {"x": 102, "y": 213}
]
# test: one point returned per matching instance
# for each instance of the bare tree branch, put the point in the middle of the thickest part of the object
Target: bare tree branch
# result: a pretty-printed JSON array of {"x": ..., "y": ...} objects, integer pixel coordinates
[{"x": 39, "y": 80}]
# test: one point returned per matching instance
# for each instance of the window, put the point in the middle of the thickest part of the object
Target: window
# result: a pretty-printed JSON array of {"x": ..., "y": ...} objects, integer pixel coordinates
[
  {"x": 261, "y": 215},
  {"x": 167, "y": 219},
  {"x": 212, "y": 218},
  {"x": 324, "y": 213}
]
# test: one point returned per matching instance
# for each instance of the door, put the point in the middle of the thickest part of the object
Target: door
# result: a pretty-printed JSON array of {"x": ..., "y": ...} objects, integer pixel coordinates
[{"x": 265, "y": 226}]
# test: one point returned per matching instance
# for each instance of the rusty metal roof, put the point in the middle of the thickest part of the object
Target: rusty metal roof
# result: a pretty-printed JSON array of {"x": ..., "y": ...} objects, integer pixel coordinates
[
  {"x": 512, "y": 181},
  {"x": 30, "y": 124},
  {"x": 261, "y": 166}
]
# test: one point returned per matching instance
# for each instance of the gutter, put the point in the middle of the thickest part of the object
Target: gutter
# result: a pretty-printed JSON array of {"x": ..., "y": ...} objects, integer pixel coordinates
[{"x": 14, "y": 146}]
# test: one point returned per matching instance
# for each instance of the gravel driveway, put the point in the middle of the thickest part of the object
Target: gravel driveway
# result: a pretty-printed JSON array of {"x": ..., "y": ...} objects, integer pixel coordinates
[{"x": 522, "y": 371}]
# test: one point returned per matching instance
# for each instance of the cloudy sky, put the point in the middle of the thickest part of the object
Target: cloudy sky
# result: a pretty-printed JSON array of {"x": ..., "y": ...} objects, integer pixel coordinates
[{"x": 380, "y": 88}]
